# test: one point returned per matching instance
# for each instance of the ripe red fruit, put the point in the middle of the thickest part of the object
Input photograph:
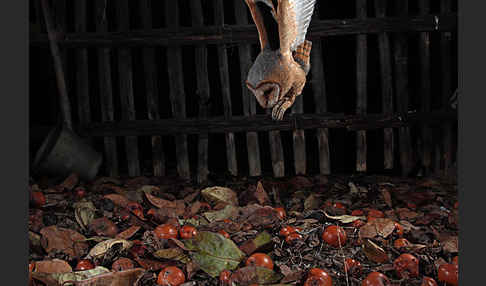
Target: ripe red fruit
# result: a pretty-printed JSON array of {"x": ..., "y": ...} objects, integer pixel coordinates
[
  {"x": 375, "y": 213},
  {"x": 187, "y": 231},
  {"x": 338, "y": 206},
  {"x": 358, "y": 223},
  {"x": 399, "y": 229},
  {"x": 84, "y": 264},
  {"x": 280, "y": 212},
  {"x": 427, "y": 281},
  {"x": 406, "y": 263},
  {"x": 376, "y": 279},
  {"x": 318, "y": 281},
  {"x": 122, "y": 264},
  {"x": 401, "y": 242},
  {"x": 357, "y": 213},
  {"x": 318, "y": 272},
  {"x": 171, "y": 276},
  {"x": 286, "y": 230},
  {"x": 227, "y": 220},
  {"x": 37, "y": 199},
  {"x": 448, "y": 273},
  {"x": 166, "y": 231},
  {"x": 224, "y": 277},
  {"x": 261, "y": 260},
  {"x": 352, "y": 266},
  {"x": 224, "y": 233},
  {"x": 334, "y": 235},
  {"x": 293, "y": 236}
]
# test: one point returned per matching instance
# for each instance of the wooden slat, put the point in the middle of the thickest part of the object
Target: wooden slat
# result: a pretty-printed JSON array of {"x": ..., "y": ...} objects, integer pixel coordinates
[
  {"x": 401, "y": 84},
  {"x": 126, "y": 88},
  {"x": 201, "y": 65},
  {"x": 446, "y": 70},
  {"x": 82, "y": 82},
  {"x": 386, "y": 86},
  {"x": 318, "y": 82},
  {"x": 299, "y": 140},
  {"x": 276, "y": 152},
  {"x": 151, "y": 89},
  {"x": 64, "y": 102},
  {"x": 247, "y": 33},
  {"x": 264, "y": 123},
  {"x": 361, "y": 87},
  {"x": 177, "y": 94},
  {"x": 59, "y": 11},
  {"x": 225, "y": 91},
  {"x": 249, "y": 102},
  {"x": 425, "y": 88},
  {"x": 106, "y": 90}
]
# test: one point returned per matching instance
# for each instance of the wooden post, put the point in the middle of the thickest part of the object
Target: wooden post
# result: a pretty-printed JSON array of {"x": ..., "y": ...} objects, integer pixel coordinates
[
  {"x": 276, "y": 152},
  {"x": 249, "y": 102},
  {"x": 151, "y": 88},
  {"x": 361, "y": 88},
  {"x": 401, "y": 84},
  {"x": 106, "y": 90},
  {"x": 386, "y": 86},
  {"x": 64, "y": 103},
  {"x": 446, "y": 56},
  {"x": 202, "y": 91},
  {"x": 299, "y": 139},
  {"x": 425, "y": 88},
  {"x": 82, "y": 82},
  {"x": 225, "y": 90},
  {"x": 177, "y": 94},
  {"x": 318, "y": 82},
  {"x": 126, "y": 89}
]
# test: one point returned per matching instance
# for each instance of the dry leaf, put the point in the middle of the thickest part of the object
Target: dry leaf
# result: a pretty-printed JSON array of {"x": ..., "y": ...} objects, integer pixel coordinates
[
  {"x": 129, "y": 232},
  {"x": 374, "y": 252},
  {"x": 260, "y": 194},
  {"x": 103, "y": 227},
  {"x": 345, "y": 218},
  {"x": 450, "y": 244},
  {"x": 217, "y": 195},
  {"x": 64, "y": 240},
  {"x": 118, "y": 200},
  {"x": 160, "y": 203},
  {"x": 387, "y": 197},
  {"x": 52, "y": 266},
  {"x": 101, "y": 248},
  {"x": 152, "y": 265},
  {"x": 379, "y": 226}
]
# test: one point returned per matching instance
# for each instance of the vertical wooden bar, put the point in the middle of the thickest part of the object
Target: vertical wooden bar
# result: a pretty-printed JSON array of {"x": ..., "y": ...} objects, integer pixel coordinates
[
  {"x": 446, "y": 56},
  {"x": 202, "y": 91},
  {"x": 401, "y": 84},
  {"x": 361, "y": 88},
  {"x": 126, "y": 88},
  {"x": 225, "y": 90},
  {"x": 276, "y": 152},
  {"x": 320, "y": 98},
  {"x": 59, "y": 11},
  {"x": 64, "y": 103},
  {"x": 425, "y": 87},
  {"x": 299, "y": 140},
  {"x": 106, "y": 89},
  {"x": 386, "y": 86},
  {"x": 151, "y": 88},
  {"x": 249, "y": 102},
  {"x": 82, "y": 83},
  {"x": 177, "y": 94}
]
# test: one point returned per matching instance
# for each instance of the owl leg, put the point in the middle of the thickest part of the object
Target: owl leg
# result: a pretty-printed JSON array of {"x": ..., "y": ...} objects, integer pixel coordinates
[{"x": 279, "y": 109}]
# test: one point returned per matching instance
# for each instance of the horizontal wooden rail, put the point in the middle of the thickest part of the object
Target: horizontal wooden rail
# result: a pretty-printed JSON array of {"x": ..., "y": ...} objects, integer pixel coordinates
[
  {"x": 263, "y": 123},
  {"x": 248, "y": 33}
]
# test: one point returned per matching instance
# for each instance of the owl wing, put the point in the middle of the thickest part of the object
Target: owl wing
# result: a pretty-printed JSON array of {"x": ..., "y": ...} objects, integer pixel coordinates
[
  {"x": 263, "y": 13},
  {"x": 293, "y": 17}
]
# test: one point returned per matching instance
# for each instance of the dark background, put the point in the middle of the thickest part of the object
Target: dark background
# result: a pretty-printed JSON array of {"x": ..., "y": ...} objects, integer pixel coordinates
[{"x": 339, "y": 55}]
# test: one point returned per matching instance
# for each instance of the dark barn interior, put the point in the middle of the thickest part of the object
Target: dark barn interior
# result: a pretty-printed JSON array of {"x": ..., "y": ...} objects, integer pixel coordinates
[{"x": 158, "y": 88}]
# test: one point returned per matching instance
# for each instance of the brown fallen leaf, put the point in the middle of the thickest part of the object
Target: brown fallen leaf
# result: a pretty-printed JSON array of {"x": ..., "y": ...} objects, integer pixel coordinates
[
  {"x": 379, "y": 226},
  {"x": 293, "y": 276},
  {"x": 64, "y": 240},
  {"x": 121, "y": 278},
  {"x": 103, "y": 227},
  {"x": 406, "y": 214},
  {"x": 216, "y": 195},
  {"x": 254, "y": 275},
  {"x": 118, "y": 200},
  {"x": 128, "y": 233},
  {"x": 152, "y": 265},
  {"x": 450, "y": 244},
  {"x": 160, "y": 203},
  {"x": 374, "y": 252},
  {"x": 191, "y": 269},
  {"x": 52, "y": 266},
  {"x": 70, "y": 182},
  {"x": 387, "y": 197}
]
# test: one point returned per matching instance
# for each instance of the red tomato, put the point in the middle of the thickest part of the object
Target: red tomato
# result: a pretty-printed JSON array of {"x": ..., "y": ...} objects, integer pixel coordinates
[
  {"x": 166, "y": 231},
  {"x": 318, "y": 281},
  {"x": 448, "y": 273},
  {"x": 261, "y": 260},
  {"x": 334, "y": 235},
  {"x": 224, "y": 233},
  {"x": 171, "y": 276},
  {"x": 406, "y": 263},
  {"x": 84, "y": 264},
  {"x": 427, "y": 281},
  {"x": 187, "y": 231},
  {"x": 376, "y": 279},
  {"x": 292, "y": 237},
  {"x": 401, "y": 242},
  {"x": 352, "y": 266}
]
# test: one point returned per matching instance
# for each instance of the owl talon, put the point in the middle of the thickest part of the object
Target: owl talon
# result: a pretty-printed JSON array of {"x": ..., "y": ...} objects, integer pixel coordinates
[{"x": 278, "y": 110}]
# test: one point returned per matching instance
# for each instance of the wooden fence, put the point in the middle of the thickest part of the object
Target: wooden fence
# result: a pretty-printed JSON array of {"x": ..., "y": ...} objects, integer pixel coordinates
[{"x": 116, "y": 45}]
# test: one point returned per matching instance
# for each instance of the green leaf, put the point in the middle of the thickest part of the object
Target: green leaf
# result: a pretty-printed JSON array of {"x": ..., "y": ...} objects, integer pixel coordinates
[
  {"x": 259, "y": 241},
  {"x": 214, "y": 253}
]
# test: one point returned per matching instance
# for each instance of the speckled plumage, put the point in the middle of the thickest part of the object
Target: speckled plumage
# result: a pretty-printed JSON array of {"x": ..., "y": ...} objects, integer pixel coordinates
[{"x": 279, "y": 72}]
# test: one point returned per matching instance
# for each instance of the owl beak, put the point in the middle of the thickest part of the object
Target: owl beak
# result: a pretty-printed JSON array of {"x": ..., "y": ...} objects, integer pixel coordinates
[{"x": 267, "y": 94}]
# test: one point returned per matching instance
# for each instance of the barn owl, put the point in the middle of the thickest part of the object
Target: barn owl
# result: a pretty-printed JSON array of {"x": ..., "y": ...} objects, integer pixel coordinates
[{"x": 279, "y": 72}]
